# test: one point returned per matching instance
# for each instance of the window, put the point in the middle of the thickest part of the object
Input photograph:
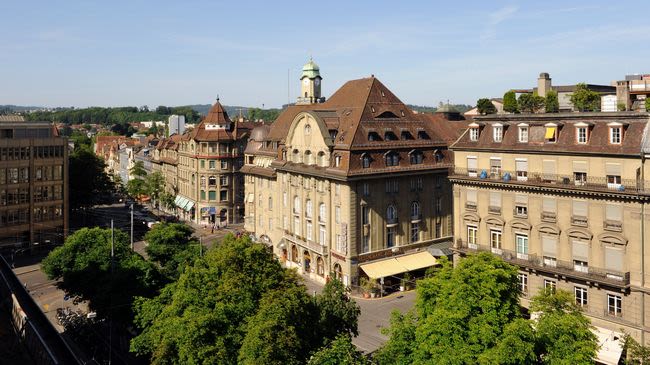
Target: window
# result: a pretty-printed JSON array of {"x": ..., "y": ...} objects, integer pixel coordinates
[
  {"x": 390, "y": 236},
  {"x": 614, "y": 305},
  {"x": 365, "y": 214},
  {"x": 337, "y": 161},
  {"x": 309, "y": 231},
  {"x": 472, "y": 233},
  {"x": 224, "y": 164},
  {"x": 473, "y": 134},
  {"x": 365, "y": 161},
  {"x": 580, "y": 256},
  {"x": 212, "y": 164},
  {"x": 495, "y": 167},
  {"x": 307, "y": 129},
  {"x": 438, "y": 228},
  {"x": 285, "y": 222},
  {"x": 521, "y": 241},
  {"x": 270, "y": 203},
  {"x": 223, "y": 180},
  {"x": 521, "y": 205},
  {"x": 521, "y": 169},
  {"x": 296, "y": 205},
  {"x": 523, "y": 284},
  {"x": 337, "y": 214},
  {"x": 521, "y": 210},
  {"x": 416, "y": 157},
  {"x": 212, "y": 195},
  {"x": 416, "y": 184},
  {"x": 415, "y": 232},
  {"x": 296, "y": 225},
  {"x": 523, "y": 134},
  {"x": 212, "y": 181},
  {"x": 581, "y": 135},
  {"x": 365, "y": 188},
  {"x": 415, "y": 210},
  {"x": 550, "y": 261},
  {"x": 308, "y": 208},
  {"x": 322, "y": 212},
  {"x": 497, "y": 131},
  {"x": 392, "y": 159},
  {"x": 391, "y": 214},
  {"x": 365, "y": 244},
  {"x": 223, "y": 195},
  {"x": 495, "y": 241},
  {"x": 581, "y": 296},
  {"x": 615, "y": 135},
  {"x": 551, "y": 134},
  {"x": 438, "y": 205},
  {"x": 550, "y": 285},
  {"x": 580, "y": 178},
  {"x": 472, "y": 166},
  {"x": 392, "y": 186},
  {"x": 284, "y": 199}
]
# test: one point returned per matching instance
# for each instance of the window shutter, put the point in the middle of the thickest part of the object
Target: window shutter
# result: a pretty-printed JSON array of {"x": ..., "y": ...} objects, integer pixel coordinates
[
  {"x": 471, "y": 195},
  {"x": 495, "y": 162},
  {"x": 495, "y": 199},
  {"x": 613, "y": 259},
  {"x": 521, "y": 165},
  {"x": 580, "y": 208},
  {"x": 549, "y": 246},
  {"x": 613, "y": 169},
  {"x": 471, "y": 163},
  {"x": 613, "y": 212},
  {"x": 580, "y": 251},
  {"x": 548, "y": 167},
  {"x": 521, "y": 199},
  {"x": 580, "y": 166},
  {"x": 548, "y": 205}
]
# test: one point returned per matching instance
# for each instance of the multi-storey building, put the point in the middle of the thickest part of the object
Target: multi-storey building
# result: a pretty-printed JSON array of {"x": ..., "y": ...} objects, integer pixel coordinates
[
  {"x": 563, "y": 197},
  {"x": 33, "y": 185},
  {"x": 352, "y": 186}
]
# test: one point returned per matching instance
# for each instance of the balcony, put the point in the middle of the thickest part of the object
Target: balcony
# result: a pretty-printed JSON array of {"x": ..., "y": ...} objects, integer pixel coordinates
[
  {"x": 579, "y": 221},
  {"x": 391, "y": 222},
  {"x": 470, "y": 206},
  {"x": 590, "y": 183},
  {"x": 300, "y": 241},
  {"x": 548, "y": 217},
  {"x": 494, "y": 210},
  {"x": 613, "y": 226},
  {"x": 415, "y": 218},
  {"x": 558, "y": 267}
]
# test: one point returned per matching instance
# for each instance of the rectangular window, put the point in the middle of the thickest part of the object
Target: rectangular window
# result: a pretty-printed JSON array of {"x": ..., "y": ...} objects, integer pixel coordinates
[
  {"x": 472, "y": 233},
  {"x": 337, "y": 214},
  {"x": 581, "y": 135},
  {"x": 615, "y": 135},
  {"x": 202, "y": 164},
  {"x": 438, "y": 229},
  {"x": 365, "y": 214},
  {"x": 614, "y": 305},
  {"x": 495, "y": 202},
  {"x": 473, "y": 134},
  {"x": 438, "y": 205},
  {"x": 498, "y": 133},
  {"x": 285, "y": 222},
  {"x": 581, "y": 296},
  {"x": 416, "y": 184},
  {"x": 550, "y": 285},
  {"x": 366, "y": 189},
  {"x": 309, "y": 230},
  {"x": 521, "y": 167},
  {"x": 212, "y": 164},
  {"x": 549, "y": 250},
  {"x": 224, "y": 164},
  {"x": 392, "y": 186},
  {"x": 580, "y": 256},
  {"x": 415, "y": 232},
  {"x": 223, "y": 180},
  {"x": 212, "y": 195},
  {"x": 296, "y": 225},
  {"x": 365, "y": 244},
  {"x": 580, "y": 208},
  {"x": 472, "y": 166},
  {"x": 495, "y": 241},
  {"x": 548, "y": 170},
  {"x": 523, "y": 284},
  {"x": 523, "y": 134},
  {"x": 522, "y": 246},
  {"x": 614, "y": 262},
  {"x": 223, "y": 195},
  {"x": 551, "y": 134},
  {"x": 495, "y": 167},
  {"x": 390, "y": 236}
]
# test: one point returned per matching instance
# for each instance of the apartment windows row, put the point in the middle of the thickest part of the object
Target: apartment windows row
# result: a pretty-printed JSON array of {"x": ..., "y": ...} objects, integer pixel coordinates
[
  {"x": 47, "y": 213},
  {"x": 212, "y": 164},
  {"x": 21, "y": 195},
  {"x": 212, "y": 180},
  {"x": 308, "y": 229},
  {"x": 309, "y": 207},
  {"x": 17, "y": 175},
  {"x": 211, "y": 195},
  {"x": 582, "y": 132},
  {"x": 613, "y": 304},
  {"x": 24, "y": 153}
]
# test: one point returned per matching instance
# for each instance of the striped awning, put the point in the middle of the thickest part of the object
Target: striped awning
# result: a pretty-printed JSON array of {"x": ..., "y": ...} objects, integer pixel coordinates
[{"x": 399, "y": 264}]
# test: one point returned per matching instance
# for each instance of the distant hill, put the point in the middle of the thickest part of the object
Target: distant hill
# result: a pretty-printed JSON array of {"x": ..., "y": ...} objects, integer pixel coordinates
[{"x": 10, "y": 109}]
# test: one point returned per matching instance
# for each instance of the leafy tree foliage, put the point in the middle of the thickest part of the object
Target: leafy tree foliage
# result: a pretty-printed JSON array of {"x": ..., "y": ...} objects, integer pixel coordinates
[
  {"x": 485, "y": 106},
  {"x": 172, "y": 246},
  {"x": 637, "y": 354},
  {"x": 87, "y": 273},
  {"x": 237, "y": 304},
  {"x": 552, "y": 102},
  {"x": 647, "y": 104},
  {"x": 166, "y": 200},
  {"x": 530, "y": 103},
  {"x": 470, "y": 314},
  {"x": 510, "y": 102},
  {"x": 138, "y": 170},
  {"x": 110, "y": 116},
  {"x": 585, "y": 100},
  {"x": 341, "y": 351},
  {"x": 264, "y": 114},
  {"x": 154, "y": 186},
  {"x": 136, "y": 188},
  {"x": 88, "y": 180}
]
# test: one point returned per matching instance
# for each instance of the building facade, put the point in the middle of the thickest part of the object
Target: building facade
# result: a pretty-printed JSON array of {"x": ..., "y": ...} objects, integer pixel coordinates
[
  {"x": 33, "y": 185},
  {"x": 348, "y": 186},
  {"x": 563, "y": 197}
]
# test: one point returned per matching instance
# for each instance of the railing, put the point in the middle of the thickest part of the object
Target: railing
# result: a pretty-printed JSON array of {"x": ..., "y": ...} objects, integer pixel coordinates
[
  {"x": 416, "y": 217},
  {"x": 579, "y": 221},
  {"x": 470, "y": 206},
  {"x": 548, "y": 217},
  {"x": 494, "y": 210},
  {"x": 614, "y": 226},
  {"x": 568, "y": 268},
  {"x": 392, "y": 220},
  {"x": 314, "y": 246},
  {"x": 551, "y": 180}
]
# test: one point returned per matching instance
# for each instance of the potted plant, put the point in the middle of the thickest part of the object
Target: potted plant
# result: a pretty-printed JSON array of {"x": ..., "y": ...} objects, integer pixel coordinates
[
  {"x": 405, "y": 282},
  {"x": 369, "y": 287}
]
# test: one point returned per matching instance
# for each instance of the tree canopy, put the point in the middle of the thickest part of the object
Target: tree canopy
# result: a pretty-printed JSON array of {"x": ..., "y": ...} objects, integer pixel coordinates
[
  {"x": 237, "y": 304},
  {"x": 647, "y": 104},
  {"x": 470, "y": 314},
  {"x": 88, "y": 179},
  {"x": 552, "y": 102},
  {"x": 530, "y": 103},
  {"x": 485, "y": 106},
  {"x": 172, "y": 246},
  {"x": 585, "y": 100},
  {"x": 341, "y": 351},
  {"x": 87, "y": 273},
  {"x": 510, "y": 102}
]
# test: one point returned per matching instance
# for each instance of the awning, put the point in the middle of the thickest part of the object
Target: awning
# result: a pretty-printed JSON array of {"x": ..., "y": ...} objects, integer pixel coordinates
[
  {"x": 177, "y": 200},
  {"x": 180, "y": 201},
  {"x": 398, "y": 265},
  {"x": 188, "y": 206},
  {"x": 417, "y": 260},
  {"x": 611, "y": 346},
  {"x": 550, "y": 133}
]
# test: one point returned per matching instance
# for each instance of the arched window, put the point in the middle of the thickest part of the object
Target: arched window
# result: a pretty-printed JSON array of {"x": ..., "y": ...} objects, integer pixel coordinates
[
  {"x": 307, "y": 129},
  {"x": 296, "y": 205},
  {"x": 321, "y": 159},
  {"x": 338, "y": 273},
  {"x": 294, "y": 254},
  {"x": 415, "y": 209},
  {"x": 308, "y": 208},
  {"x": 392, "y": 158},
  {"x": 365, "y": 161},
  {"x": 203, "y": 180},
  {"x": 391, "y": 212},
  {"x": 212, "y": 181},
  {"x": 296, "y": 156},
  {"x": 270, "y": 203},
  {"x": 322, "y": 212},
  {"x": 193, "y": 179},
  {"x": 416, "y": 157},
  {"x": 307, "y": 159},
  {"x": 320, "y": 266},
  {"x": 437, "y": 155}
]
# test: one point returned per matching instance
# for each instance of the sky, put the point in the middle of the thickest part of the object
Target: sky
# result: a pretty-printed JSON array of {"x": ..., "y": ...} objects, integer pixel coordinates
[{"x": 250, "y": 53}]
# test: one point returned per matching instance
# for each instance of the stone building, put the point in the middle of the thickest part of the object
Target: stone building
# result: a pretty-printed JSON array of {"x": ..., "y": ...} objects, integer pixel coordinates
[
  {"x": 353, "y": 186},
  {"x": 33, "y": 185},
  {"x": 563, "y": 197}
]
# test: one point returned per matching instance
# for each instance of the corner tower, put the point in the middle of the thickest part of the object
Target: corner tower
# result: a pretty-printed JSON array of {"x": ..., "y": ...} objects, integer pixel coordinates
[{"x": 310, "y": 82}]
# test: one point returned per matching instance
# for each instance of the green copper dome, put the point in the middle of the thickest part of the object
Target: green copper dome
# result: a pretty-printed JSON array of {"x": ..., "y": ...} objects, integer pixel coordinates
[
  {"x": 310, "y": 70},
  {"x": 447, "y": 108}
]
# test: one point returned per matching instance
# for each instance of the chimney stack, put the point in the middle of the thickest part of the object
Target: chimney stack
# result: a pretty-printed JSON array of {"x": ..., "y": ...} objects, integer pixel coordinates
[{"x": 543, "y": 84}]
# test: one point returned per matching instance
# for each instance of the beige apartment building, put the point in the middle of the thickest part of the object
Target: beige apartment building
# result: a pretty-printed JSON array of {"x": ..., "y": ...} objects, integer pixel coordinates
[
  {"x": 564, "y": 197},
  {"x": 354, "y": 186},
  {"x": 33, "y": 184}
]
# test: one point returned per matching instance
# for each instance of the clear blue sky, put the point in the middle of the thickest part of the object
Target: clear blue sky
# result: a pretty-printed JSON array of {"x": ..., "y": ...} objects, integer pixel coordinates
[{"x": 109, "y": 53}]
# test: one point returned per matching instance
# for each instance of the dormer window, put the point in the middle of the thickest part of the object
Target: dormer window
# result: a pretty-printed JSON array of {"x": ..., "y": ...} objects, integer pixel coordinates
[
  {"x": 390, "y": 136},
  {"x": 497, "y": 132},
  {"x": 333, "y": 133},
  {"x": 615, "y": 133},
  {"x": 582, "y": 133},
  {"x": 416, "y": 157},
  {"x": 392, "y": 159},
  {"x": 365, "y": 161},
  {"x": 337, "y": 161},
  {"x": 373, "y": 136},
  {"x": 473, "y": 134},
  {"x": 406, "y": 135},
  {"x": 523, "y": 134},
  {"x": 423, "y": 135},
  {"x": 550, "y": 135}
]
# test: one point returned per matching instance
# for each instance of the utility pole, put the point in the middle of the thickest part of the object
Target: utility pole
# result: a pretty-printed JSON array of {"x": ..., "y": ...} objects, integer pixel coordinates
[{"x": 132, "y": 248}]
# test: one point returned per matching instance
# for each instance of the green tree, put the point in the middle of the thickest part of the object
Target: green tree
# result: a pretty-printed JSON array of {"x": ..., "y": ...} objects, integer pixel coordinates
[
  {"x": 337, "y": 313},
  {"x": 154, "y": 186},
  {"x": 172, "y": 246},
  {"x": 510, "y": 102},
  {"x": 138, "y": 170},
  {"x": 585, "y": 100},
  {"x": 516, "y": 346},
  {"x": 637, "y": 354},
  {"x": 552, "y": 102},
  {"x": 401, "y": 344},
  {"x": 88, "y": 180},
  {"x": 485, "y": 106},
  {"x": 136, "y": 188},
  {"x": 167, "y": 200},
  {"x": 88, "y": 273},
  {"x": 530, "y": 103},
  {"x": 341, "y": 351},
  {"x": 647, "y": 104}
]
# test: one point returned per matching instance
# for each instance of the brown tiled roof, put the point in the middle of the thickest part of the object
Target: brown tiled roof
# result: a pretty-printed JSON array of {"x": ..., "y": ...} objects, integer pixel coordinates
[
  {"x": 12, "y": 118},
  {"x": 635, "y": 127},
  {"x": 218, "y": 115}
]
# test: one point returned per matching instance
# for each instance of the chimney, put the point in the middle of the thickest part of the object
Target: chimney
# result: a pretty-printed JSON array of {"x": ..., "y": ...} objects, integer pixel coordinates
[{"x": 543, "y": 84}]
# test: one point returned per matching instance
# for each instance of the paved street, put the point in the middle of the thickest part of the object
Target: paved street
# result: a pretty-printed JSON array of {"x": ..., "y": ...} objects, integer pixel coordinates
[{"x": 375, "y": 314}]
